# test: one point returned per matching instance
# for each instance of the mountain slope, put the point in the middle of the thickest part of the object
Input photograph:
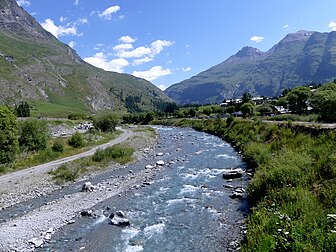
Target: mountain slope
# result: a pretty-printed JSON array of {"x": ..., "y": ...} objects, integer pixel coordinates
[
  {"x": 34, "y": 65},
  {"x": 298, "y": 59}
]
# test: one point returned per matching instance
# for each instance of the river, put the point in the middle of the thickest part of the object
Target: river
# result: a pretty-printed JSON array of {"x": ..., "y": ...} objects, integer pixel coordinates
[{"x": 186, "y": 207}]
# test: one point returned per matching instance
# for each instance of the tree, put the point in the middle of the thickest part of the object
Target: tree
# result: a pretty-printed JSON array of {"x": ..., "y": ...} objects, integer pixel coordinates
[
  {"x": 9, "y": 144},
  {"x": 22, "y": 110},
  {"x": 246, "y": 98},
  {"x": 192, "y": 112},
  {"x": 324, "y": 102},
  {"x": 33, "y": 135},
  {"x": 106, "y": 122},
  {"x": 248, "y": 109},
  {"x": 207, "y": 111},
  {"x": 298, "y": 99},
  {"x": 149, "y": 117},
  {"x": 265, "y": 109}
]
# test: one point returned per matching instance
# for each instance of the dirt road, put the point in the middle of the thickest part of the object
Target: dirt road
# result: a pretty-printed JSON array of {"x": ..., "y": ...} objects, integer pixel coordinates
[{"x": 35, "y": 171}]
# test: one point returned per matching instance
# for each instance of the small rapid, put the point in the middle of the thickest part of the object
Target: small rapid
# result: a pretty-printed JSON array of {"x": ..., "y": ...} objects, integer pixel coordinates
[{"x": 186, "y": 207}]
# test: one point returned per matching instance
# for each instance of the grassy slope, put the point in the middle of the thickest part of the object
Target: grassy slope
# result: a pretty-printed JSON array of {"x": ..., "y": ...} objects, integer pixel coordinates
[{"x": 49, "y": 63}]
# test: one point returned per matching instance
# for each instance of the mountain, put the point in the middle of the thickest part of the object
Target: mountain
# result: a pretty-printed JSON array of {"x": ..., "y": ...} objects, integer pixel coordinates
[
  {"x": 298, "y": 59},
  {"x": 35, "y": 66}
]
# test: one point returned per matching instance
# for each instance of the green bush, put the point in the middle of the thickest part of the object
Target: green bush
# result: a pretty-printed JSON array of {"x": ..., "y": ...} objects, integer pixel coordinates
[
  {"x": 65, "y": 173},
  {"x": 33, "y": 135},
  {"x": 76, "y": 140},
  {"x": 77, "y": 116},
  {"x": 58, "y": 146},
  {"x": 106, "y": 122},
  {"x": 118, "y": 153},
  {"x": 9, "y": 145},
  {"x": 229, "y": 120}
]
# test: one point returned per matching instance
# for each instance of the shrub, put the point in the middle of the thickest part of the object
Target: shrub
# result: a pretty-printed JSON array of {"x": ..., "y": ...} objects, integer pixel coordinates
[
  {"x": 76, "y": 140},
  {"x": 118, "y": 153},
  {"x": 9, "y": 144},
  {"x": 58, "y": 146},
  {"x": 65, "y": 173},
  {"x": 229, "y": 120},
  {"x": 33, "y": 135},
  {"x": 106, "y": 122},
  {"x": 77, "y": 116}
]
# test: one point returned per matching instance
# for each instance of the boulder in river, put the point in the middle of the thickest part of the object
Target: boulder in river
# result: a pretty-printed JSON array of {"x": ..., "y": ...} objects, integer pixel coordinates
[
  {"x": 87, "y": 187},
  {"x": 160, "y": 154},
  {"x": 233, "y": 173},
  {"x": 119, "y": 219},
  {"x": 160, "y": 163},
  {"x": 87, "y": 213},
  {"x": 36, "y": 242},
  {"x": 150, "y": 166}
]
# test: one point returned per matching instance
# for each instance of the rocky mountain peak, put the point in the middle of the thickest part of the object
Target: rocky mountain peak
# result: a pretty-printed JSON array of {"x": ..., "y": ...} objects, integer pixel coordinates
[
  {"x": 248, "y": 51},
  {"x": 15, "y": 19}
]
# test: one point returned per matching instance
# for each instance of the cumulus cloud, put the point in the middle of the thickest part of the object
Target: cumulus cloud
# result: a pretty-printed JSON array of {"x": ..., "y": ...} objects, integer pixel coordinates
[
  {"x": 257, "y": 39},
  {"x": 100, "y": 60},
  {"x": 107, "y": 14},
  {"x": 137, "y": 62},
  {"x": 143, "y": 51},
  {"x": 153, "y": 73},
  {"x": 76, "y": 2},
  {"x": 186, "y": 69},
  {"x": 286, "y": 26},
  {"x": 332, "y": 25},
  {"x": 127, "y": 40},
  {"x": 23, "y": 3},
  {"x": 59, "y": 31},
  {"x": 72, "y": 44}
]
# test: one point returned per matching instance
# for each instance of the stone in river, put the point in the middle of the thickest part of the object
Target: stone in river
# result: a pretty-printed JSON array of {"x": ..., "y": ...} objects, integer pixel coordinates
[
  {"x": 119, "y": 219},
  {"x": 87, "y": 187},
  {"x": 37, "y": 242},
  {"x": 159, "y": 154},
  {"x": 160, "y": 163},
  {"x": 150, "y": 166},
  {"x": 87, "y": 213},
  {"x": 234, "y": 173}
]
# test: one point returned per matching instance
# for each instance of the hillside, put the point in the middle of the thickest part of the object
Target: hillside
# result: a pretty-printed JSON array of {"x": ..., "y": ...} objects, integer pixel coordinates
[
  {"x": 298, "y": 59},
  {"x": 35, "y": 66}
]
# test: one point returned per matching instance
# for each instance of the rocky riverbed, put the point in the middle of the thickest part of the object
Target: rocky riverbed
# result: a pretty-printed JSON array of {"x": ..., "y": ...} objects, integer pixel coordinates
[{"x": 171, "y": 191}]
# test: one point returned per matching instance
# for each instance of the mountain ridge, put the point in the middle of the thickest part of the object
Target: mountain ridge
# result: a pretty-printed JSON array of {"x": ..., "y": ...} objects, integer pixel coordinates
[
  {"x": 298, "y": 59},
  {"x": 34, "y": 65}
]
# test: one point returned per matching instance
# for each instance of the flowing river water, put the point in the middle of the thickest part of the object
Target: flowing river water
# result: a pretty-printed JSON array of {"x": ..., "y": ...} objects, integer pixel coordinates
[{"x": 187, "y": 206}]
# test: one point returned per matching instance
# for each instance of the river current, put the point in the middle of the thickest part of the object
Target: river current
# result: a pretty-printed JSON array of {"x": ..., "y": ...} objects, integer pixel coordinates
[{"x": 185, "y": 208}]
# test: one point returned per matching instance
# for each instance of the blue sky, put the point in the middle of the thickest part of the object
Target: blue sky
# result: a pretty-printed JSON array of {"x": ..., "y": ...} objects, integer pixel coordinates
[{"x": 167, "y": 41}]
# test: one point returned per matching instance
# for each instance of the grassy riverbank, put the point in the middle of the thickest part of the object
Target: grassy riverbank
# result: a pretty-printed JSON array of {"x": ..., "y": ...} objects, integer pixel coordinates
[{"x": 293, "y": 190}]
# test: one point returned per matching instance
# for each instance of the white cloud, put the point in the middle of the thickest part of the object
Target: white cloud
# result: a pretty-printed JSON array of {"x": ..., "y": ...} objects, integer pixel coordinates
[
  {"x": 83, "y": 21},
  {"x": 187, "y": 46},
  {"x": 100, "y": 60},
  {"x": 72, "y": 44},
  {"x": 286, "y": 26},
  {"x": 127, "y": 40},
  {"x": 332, "y": 25},
  {"x": 153, "y": 73},
  {"x": 136, "y": 53},
  {"x": 107, "y": 14},
  {"x": 122, "y": 48},
  {"x": 158, "y": 45},
  {"x": 76, "y": 2},
  {"x": 63, "y": 19},
  {"x": 186, "y": 69},
  {"x": 143, "y": 52},
  {"x": 162, "y": 87},
  {"x": 257, "y": 39},
  {"x": 137, "y": 62},
  {"x": 23, "y": 3},
  {"x": 58, "y": 31}
]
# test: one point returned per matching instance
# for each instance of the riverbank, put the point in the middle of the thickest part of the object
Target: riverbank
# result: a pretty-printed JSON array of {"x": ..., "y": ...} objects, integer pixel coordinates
[
  {"x": 37, "y": 224},
  {"x": 293, "y": 190}
]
